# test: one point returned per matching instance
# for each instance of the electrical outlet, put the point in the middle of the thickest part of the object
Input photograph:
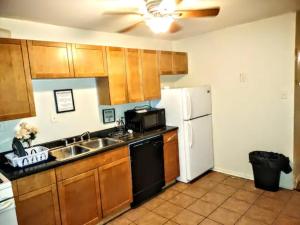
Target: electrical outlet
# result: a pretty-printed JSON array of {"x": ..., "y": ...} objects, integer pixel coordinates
[
  {"x": 243, "y": 78},
  {"x": 54, "y": 118},
  {"x": 284, "y": 95}
]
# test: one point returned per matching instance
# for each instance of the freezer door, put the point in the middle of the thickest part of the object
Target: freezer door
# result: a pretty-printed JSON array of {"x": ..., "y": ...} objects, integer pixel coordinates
[
  {"x": 196, "y": 102},
  {"x": 198, "y": 146}
]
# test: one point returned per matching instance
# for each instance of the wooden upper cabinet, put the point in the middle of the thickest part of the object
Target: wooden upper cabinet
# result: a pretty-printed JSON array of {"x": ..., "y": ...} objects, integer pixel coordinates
[
  {"x": 38, "y": 207},
  {"x": 89, "y": 60},
  {"x": 16, "y": 94},
  {"x": 180, "y": 63},
  {"x": 113, "y": 90},
  {"x": 151, "y": 79},
  {"x": 115, "y": 186},
  {"x": 165, "y": 62},
  {"x": 171, "y": 156},
  {"x": 50, "y": 59},
  {"x": 134, "y": 75},
  {"x": 79, "y": 199}
]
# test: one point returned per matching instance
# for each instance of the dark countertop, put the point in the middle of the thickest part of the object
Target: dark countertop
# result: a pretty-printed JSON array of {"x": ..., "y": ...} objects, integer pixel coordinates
[{"x": 13, "y": 173}]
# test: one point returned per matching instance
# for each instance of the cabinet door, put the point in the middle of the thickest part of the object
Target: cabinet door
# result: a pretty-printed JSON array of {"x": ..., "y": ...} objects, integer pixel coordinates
[
  {"x": 151, "y": 79},
  {"x": 16, "y": 98},
  {"x": 165, "y": 63},
  {"x": 115, "y": 186},
  {"x": 50, "y": 59},
  {"x": 116, "y": 75},
  {"x": 171, "y": 157},
  {"x": 89, "y": 60},
  {"x": 79, "y": 199},
  {"x": 134, "y": 75},
  {"x": 39, "y": 207},
  {"x": 180, "y": 63}
]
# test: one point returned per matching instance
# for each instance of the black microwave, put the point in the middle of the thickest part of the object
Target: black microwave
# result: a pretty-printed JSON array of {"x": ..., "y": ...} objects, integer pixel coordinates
[{"x": 141, "y": 120}]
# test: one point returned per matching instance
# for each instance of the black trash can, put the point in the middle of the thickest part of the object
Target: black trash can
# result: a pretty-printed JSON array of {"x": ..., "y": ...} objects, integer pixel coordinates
[{"x": 267, "y": 167}]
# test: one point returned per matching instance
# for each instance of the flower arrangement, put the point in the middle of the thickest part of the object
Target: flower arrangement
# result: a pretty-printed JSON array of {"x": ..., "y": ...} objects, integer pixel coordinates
[{"x": 26, "y": 133}]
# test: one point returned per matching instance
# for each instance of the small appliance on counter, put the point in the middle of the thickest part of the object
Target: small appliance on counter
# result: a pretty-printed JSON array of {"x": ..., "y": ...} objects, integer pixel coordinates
[{"x": 145, "y": 119}]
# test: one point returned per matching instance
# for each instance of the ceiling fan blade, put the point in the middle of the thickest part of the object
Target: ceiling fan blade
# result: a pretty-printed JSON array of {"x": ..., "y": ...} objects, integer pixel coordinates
[
  {"x": 122, "y": 13},
  {"x": 127, "y": 29},
  {"x": 197, "y": 13},
  {"x": 175, "y": 27}
]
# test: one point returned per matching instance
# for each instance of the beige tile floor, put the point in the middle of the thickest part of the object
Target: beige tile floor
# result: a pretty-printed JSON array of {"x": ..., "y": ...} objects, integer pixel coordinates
[{"x": 216, "y": 199}]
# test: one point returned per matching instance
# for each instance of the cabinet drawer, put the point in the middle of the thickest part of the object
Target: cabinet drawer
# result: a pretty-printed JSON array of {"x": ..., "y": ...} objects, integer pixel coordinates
[
  {"x": 170, "y": 136},
  {"x": 34, "y": 182},
  {"x": 84, "y": 165}
]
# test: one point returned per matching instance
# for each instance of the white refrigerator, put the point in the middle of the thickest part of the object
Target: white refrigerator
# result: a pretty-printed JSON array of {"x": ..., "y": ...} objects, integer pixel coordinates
[{"x": 190, "y": 110}]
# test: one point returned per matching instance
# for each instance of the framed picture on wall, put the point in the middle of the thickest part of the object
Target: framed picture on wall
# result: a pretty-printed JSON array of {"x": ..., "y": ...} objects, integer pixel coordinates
[
  {"x": 109, "y": 115},
  {"x": 64, "y": 100}
]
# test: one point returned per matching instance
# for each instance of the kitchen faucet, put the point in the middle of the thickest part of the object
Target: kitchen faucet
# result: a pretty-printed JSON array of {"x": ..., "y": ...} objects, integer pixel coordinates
[{"x": 87, "y": 133}]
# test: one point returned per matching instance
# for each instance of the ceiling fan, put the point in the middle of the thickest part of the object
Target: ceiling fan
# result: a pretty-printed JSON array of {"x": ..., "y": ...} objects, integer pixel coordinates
[{"x": 161, "y": 15}]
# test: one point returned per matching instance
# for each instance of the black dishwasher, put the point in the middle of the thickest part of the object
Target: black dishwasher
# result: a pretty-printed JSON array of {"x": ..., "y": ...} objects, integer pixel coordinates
[{"x": 147, "y": 167}]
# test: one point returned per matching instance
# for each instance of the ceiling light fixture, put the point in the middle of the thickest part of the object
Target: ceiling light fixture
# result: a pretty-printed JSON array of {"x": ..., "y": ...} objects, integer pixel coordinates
[
  {"x": 158, "y": 16},
  {"x": 159, "y": 24}
]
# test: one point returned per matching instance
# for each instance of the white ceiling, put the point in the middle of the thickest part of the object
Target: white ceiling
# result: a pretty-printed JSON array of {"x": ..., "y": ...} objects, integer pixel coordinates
[{"x": 87, "y": 14}]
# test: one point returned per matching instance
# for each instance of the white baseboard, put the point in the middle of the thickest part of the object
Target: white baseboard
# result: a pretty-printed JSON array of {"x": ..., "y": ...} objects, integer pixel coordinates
[
  {"x": 234, "y": 173},
  {"x": 247, "y": 176}
]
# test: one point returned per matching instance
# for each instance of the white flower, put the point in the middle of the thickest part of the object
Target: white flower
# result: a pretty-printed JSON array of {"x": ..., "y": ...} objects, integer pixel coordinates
[{"x": 26, "y": 132}]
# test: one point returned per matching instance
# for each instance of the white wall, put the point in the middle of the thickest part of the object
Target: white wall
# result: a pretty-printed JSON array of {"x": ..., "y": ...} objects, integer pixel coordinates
[
  {"x": 257, "y": 113},
  {"x": 88, "y": 115}
]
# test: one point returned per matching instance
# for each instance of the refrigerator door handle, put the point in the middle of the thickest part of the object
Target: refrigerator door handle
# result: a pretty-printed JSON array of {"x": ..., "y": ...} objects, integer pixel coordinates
[
  {"x": 189, "y": 105},
  {"x": 191, "y": 134}
]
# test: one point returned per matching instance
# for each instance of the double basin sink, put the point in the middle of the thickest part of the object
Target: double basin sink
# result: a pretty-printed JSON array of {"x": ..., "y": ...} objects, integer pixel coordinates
[{"x": 84, "y": 147}]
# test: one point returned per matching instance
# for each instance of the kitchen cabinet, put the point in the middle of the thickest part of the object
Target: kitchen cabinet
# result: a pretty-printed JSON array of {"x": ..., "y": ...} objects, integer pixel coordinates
[
  {"x": 173, "y": 63},
  {"x": 115, "y": 186},
  {"x": 89, "y": 60},
  {"x": 36, "y": 199},
  {"x": 38, "y": 207},
  {"x": 79, "y": 199},
  {"x": 171, "y": 156},
  {"x": 180, "y": 63},
  {"x": 102, "y": 175},
  {"x": 113, "y": 90},
  {"x": 134, "y": 75},
  {"x": 16, "y": 95},
  {"x": 151, "y": 79},
  {"x": 165, "y": 63},
  {"x": 50, "y": 59}
]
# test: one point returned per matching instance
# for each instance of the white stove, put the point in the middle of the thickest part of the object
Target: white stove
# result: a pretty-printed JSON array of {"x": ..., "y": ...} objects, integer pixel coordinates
[{"x": 7, "y": 203}]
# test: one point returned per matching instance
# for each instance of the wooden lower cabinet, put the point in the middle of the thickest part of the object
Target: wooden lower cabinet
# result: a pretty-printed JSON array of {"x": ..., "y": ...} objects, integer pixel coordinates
[
  {"x": 171, "y": 156},
  {"x": 79, "y": 199},
  {"x": 38, "y": 207},
  {"x": 115, "y": 186}
]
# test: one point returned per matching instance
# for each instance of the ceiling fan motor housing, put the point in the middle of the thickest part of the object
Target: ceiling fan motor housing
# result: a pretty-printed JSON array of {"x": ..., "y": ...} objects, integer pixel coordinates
[{"x": 153, "y": 7}]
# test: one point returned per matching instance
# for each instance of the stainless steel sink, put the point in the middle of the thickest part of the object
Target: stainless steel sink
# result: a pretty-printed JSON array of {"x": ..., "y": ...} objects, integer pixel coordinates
[
  {"x": 100, "y": 143},
  {"x": 68, "y": 152}
]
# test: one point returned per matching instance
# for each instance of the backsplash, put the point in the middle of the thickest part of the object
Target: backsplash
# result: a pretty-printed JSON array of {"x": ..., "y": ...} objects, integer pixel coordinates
[{"x": 51, "y": 126}]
